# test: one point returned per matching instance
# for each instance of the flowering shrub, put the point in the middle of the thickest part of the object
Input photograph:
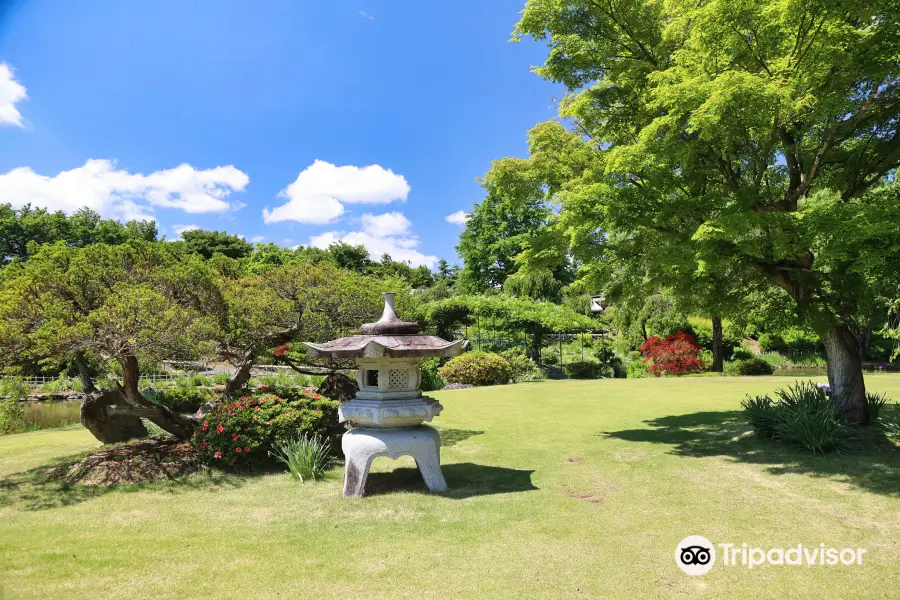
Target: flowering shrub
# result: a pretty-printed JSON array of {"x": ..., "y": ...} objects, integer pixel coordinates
[
  {"x": 677, "y": 354},
  {"x": 476, "y": 368},
  {"x": 246, "y": 429}
]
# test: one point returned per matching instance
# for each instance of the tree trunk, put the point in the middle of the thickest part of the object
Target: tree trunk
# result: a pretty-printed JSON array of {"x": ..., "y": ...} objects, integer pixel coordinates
[
  {"x": 179, "y": 425},
  {"x": 864, "y": 339},
  {"x": 718, "y": 345},
  {"x": 234, "y": 384},
  {"x": 87, "y": 381},
  {"x": 98, "y": 417},
  {"x": 845, "y": 374}
]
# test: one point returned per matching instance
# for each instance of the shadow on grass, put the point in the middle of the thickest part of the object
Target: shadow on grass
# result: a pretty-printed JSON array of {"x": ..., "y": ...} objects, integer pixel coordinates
[
  {"x": 464, "y": 480},
  {"x": 876, "y": 468},
  {"x": 36, "y": 490},
  {"x": 451, "y": 437}
]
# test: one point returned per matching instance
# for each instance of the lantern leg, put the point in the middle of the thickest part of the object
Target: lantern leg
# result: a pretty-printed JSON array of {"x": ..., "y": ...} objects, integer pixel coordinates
[{"x": 428, "y": 459}]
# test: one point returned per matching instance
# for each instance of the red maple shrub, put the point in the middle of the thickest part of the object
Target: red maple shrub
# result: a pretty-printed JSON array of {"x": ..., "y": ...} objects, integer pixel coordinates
[{"x": 676, "y": 354}]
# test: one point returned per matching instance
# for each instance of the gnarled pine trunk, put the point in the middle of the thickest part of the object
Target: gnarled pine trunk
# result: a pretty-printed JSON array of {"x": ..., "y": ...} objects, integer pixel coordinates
[
  {"x": 234, "y": 384},
  {"x": 718, "y": 345},
  {"x": 179, "y": 425},
  {"x": 845, "y": 374},
  {"x": 100, "y": 417}
]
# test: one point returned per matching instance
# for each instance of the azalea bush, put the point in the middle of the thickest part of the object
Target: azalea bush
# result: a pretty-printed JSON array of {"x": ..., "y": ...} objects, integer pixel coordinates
[
  {"x": 246, "y": 430},
  {"x": 477, "y": 368},
  {"x": 676, "y": 354}
]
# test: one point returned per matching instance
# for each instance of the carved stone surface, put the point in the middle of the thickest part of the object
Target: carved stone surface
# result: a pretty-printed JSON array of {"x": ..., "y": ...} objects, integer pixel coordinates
[
  {"x": 383, "y": 414},
  {"x": 362, "y": 444}
]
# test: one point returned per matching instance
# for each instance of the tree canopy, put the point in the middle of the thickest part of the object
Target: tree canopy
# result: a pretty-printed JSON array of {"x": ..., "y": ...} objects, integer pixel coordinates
[{"x": 728, "y": 140}]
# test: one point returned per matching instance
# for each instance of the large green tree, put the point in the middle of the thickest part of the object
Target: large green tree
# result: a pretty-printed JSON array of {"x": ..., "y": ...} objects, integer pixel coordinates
[
  {"x": 513, "y": 213},
  {"x": 736, "y": 137},
  {"x": 135, "y": 303},
  {"x": 24, "y": 229}
]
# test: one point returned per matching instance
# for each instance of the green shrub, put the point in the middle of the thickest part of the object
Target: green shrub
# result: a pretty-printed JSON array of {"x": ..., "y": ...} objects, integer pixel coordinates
[
  {"x": 549, "y": 356},
  {"x": 753, "y": 366},
  {"x": 306, "y": 457},
  {"x": 586, "y": 369},
  {"x": 521, "y": 367},
  {"x": 221, "y": 378},
  {"x": 807, "y": 417},
  {"x": 799, "y": 340},
  {"x": 431, "y": 381},
  {"x": 742, "y": 353},
  {"x": 61, "y": 383},
  {"x": 637, "y": 369},
  {"x": 243, "y": 432},
  {"x": 181, "y": 399},
  {"x": 889, "y": 421},
  {"x": 769, "y": 342},
  {"x": 476, "y": 368},
  {"x": 760, "y": 413},
  {"x": 12, "y": 411}
]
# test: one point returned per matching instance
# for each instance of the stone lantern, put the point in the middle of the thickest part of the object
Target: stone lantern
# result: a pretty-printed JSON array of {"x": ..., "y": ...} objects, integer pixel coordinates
[{"x": 389, "y": 407}]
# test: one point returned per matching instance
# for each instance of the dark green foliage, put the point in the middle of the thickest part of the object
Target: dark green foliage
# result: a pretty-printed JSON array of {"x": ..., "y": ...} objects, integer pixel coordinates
[
  {"x": 181, "y": 399},
  {"x": 760, "y": 412},
  {"x": 802, "y": 415},
  {"x": 206, "y": 243},
  {"x": 587, "y": 369},
  {"x": 769, "y": 342},
  {"x": 352, "y": 258},
  {"x": 431, "y": 381},
  {"x": 889, "y": 421},
  {"x": 477, "y": 368},
  {"x": 244, "y": 431},
  {"x": 754, "y": 366},
  {"x": 611, "y": 362},
  {"x": 741, "y": 354}
]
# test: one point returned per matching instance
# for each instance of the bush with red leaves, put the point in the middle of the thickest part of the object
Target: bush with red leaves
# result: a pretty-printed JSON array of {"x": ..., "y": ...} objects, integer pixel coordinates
[{"x": 677, "y": 354}]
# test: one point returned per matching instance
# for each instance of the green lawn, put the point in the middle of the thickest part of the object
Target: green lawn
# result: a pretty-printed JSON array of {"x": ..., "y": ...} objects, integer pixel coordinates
[{"x": 558, "y": 489}]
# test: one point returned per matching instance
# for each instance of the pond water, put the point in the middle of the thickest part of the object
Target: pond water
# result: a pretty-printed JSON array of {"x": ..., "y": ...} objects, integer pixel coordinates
[{"x": 46, "y": 415}]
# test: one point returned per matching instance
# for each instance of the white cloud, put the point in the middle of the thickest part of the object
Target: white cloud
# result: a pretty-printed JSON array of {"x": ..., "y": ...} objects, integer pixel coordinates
[
  {"x": 113, "y": 192},
  {"x": 387, "y": 233},
  {"x": 366, "y": 15},
  {"x": 318, "y": 194},
  {"x": 458, "y": 218},
  {"x": 257, "y": 238},
  {"x": 387, "y": 224},
  {"x": 11, "y": 91}
]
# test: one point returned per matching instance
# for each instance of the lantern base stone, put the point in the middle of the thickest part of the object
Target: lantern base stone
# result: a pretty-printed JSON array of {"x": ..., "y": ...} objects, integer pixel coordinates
[{"x": 363, "y": 444}]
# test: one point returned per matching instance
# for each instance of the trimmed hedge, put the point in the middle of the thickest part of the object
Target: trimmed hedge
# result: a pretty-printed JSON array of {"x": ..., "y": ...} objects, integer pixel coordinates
[
  {"x": 477, "y": 368},
  {"x": 585, "y": 370}
]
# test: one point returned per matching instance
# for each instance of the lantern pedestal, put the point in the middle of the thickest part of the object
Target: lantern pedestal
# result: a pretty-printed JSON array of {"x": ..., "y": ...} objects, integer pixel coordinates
[{"x": 363, "y": 444}]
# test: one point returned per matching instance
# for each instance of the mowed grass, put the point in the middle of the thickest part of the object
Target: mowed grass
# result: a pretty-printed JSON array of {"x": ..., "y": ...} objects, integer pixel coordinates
[{"x": 574, "y": 489}]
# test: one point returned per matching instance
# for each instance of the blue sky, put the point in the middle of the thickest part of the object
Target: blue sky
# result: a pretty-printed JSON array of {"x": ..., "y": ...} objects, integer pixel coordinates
[{"x": 205, "y": 113}]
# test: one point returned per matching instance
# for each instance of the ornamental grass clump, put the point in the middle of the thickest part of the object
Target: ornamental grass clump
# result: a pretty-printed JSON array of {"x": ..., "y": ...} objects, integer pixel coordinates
[
  {"x": 246, "y": 430},
  {"x": 307, "y": 457},
  {"x": 802, "y": 415}
]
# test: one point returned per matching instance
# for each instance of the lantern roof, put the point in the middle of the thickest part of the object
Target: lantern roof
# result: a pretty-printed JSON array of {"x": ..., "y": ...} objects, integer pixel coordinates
[{"x": 388, "y": 337}]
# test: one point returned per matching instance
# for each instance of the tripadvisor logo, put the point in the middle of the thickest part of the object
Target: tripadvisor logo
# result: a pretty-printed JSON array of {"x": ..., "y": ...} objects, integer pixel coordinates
[{"x": 696, "y": 555}]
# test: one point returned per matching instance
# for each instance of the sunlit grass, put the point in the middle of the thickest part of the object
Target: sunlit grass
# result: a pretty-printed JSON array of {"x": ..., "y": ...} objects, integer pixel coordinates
[{"x": 576, "y": 489}]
